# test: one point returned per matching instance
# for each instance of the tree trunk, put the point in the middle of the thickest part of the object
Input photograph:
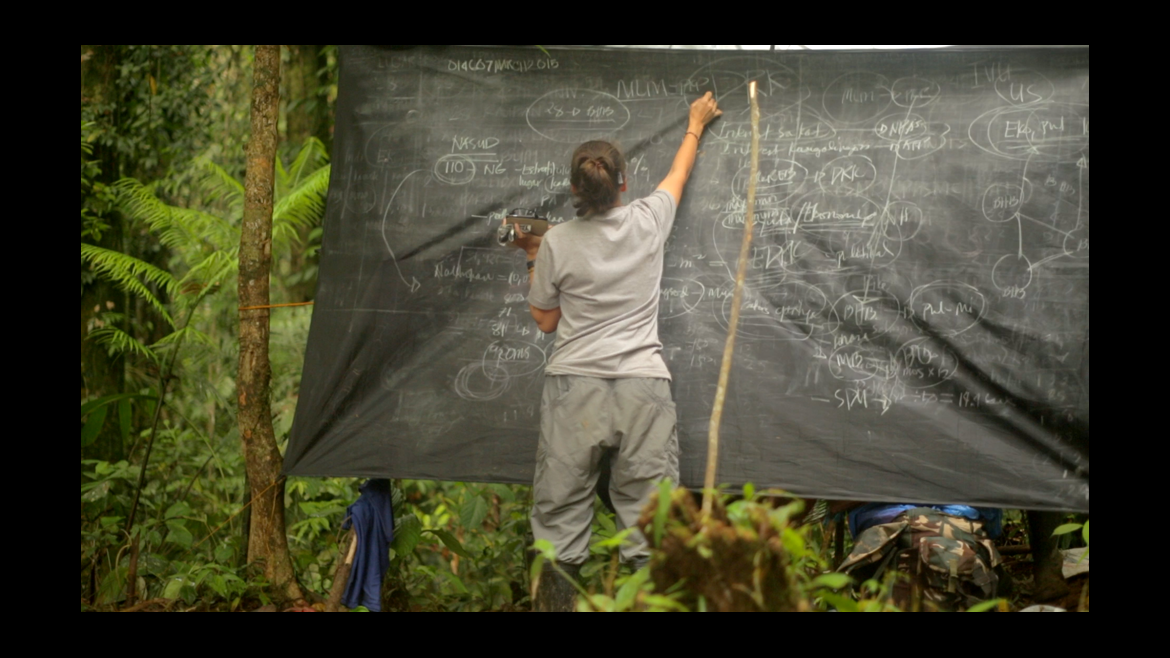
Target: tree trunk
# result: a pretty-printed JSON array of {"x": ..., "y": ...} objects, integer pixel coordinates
[
  {"x": 267, "y": 541},
  {"x": 304, "y": 107}
]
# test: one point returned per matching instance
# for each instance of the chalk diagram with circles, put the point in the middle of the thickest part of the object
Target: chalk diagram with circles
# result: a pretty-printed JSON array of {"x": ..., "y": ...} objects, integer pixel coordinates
[{"x": 844, "y": 207}]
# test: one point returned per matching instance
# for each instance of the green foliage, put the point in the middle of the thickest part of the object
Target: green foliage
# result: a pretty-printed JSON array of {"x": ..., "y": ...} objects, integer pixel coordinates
[
  {"x": 458, "y": 546},
  {"x": 94, "y": 412},
  {"x": 813, "y": 585},
  {"x": 132, "y": 275},
  {"x": 151, "y": 107},
  {"x": 451, "y": 542},
  {"x": 198, "y": 448},
  {"x": 96, "y": 198},
  {"x": 162, "y": 160},
  {"x": 206, "y": 245},
  {"x": 1069, "y": 528}
]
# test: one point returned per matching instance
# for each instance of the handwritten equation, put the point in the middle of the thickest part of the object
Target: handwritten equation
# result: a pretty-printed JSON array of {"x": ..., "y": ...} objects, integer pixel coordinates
[{"x": 922, "y": 224}]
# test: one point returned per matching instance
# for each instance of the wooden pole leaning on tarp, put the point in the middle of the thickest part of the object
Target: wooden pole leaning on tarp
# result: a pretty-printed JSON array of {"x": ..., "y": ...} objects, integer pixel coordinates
[
  {"x": 341, "y": 575},
  {"x": 736, "y": 302}
]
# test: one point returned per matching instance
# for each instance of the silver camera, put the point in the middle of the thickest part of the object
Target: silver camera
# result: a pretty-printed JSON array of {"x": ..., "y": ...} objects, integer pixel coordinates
[{"x": 529, "y": 221}]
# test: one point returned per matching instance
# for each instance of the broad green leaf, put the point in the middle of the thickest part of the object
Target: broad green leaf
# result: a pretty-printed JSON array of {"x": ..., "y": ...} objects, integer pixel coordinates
[
  {"x": 1085, "y": 534},
  {"x": 93, "y": 425},
  {"x": 842, "y": 603},
  {"x": 606, "y": 522},
  {"x": 178, "y": 509},
  {"x": 749, "y": 491},
  {"x": 985, "y": 606},
  {"x": 407, "y": 533},
  {"x": 615, "y": 541},
  {"x": 179, "y": 534},
  {"x": 112, "y": 588},
  {"x": 451, "y": 542},
  {"x": 473, "y": 512},
  {"x": 93, "y": 491},
  {"x": 174, "y": 587},
  {"x": 628, "y": 592},
  {"x": 664, "y": 602},
  {"x": 124, "y": 418},
  {"x": 504, "y": 492},
  {"x": 1066, "y": 528},
  {"x": 224, "y": 553},
  {"x": 599, "y": 602},
  {"x": 545, "y": 548},
  {"x": 360, "y": 608},
  {"x": 737, "y": 512},
  {"x": 832, "y": 580},
  {"x": 781, "y": 514},
  {"x": 87, "y": 407},
  {"x": 455, "y": 581}
]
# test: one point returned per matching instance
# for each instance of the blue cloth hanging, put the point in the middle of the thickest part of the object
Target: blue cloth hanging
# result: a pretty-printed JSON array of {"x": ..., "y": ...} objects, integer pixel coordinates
[
  {"x": 372, "y": 518},
  {"x": 873, "y": 514}
]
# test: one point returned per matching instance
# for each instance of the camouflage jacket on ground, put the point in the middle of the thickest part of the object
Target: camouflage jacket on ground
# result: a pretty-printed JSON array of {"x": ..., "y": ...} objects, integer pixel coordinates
[{"x": 949, "y": 560}]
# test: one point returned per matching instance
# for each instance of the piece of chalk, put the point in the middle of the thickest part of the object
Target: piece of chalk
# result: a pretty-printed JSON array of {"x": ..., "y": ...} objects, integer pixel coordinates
[{"x": 752, "y": 88}]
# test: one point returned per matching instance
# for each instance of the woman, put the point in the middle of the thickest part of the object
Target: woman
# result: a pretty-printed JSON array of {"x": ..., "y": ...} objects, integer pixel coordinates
[{"x": 594, "y": 280}]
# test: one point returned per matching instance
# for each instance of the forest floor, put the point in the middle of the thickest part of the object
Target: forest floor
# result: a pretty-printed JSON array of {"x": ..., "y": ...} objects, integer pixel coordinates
[
  {"x": 422, "y": 596},
  {"x": 1017, "y": 566}
]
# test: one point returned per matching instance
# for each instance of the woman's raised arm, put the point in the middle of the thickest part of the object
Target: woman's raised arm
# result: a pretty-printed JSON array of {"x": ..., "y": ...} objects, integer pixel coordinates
[{"x": 703, "y": 111}]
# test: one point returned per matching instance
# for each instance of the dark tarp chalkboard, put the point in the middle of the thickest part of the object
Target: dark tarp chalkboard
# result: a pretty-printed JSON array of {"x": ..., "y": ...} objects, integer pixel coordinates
[{"x": 916, "y": 319}]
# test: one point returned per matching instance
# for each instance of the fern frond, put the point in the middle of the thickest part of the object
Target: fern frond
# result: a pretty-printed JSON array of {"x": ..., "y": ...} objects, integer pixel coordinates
[
  {"x": 125, "y": 271},
  {"x": 222, "y": 185},
  {"x": 212, "y": 270},
  {"x": 305, "y": 205},
  {"x": 182, "y": 229},
  {"x": 188, "y": 333},
  {"x": 311, "y": 156},
  {"x": 120, "y": 342},
  {"x": 139, "y": 202}
]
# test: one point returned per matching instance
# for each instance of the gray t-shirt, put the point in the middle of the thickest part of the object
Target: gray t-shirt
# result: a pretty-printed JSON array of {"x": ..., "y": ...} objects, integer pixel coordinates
[{"x": 604, "y": 272}]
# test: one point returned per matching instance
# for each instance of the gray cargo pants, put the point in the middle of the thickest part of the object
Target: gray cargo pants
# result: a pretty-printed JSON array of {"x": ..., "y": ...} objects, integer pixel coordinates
[{"x": 580, "y": 418}]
